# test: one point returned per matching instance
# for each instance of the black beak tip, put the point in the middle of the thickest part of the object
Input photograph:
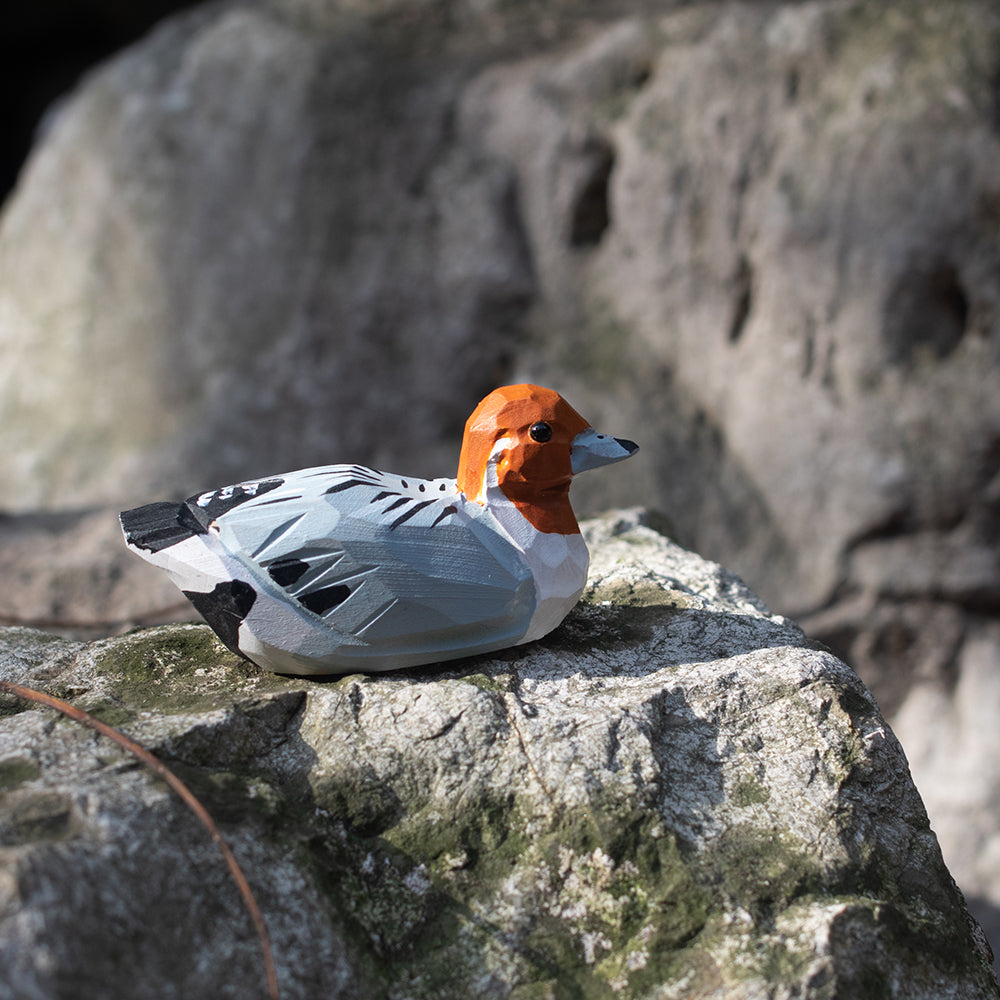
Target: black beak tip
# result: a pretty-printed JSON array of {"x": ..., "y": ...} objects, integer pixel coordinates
[{"x": 630, "y": 446}]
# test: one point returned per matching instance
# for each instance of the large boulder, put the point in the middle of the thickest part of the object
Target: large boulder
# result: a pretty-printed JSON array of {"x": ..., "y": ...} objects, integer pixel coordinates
[
  {"x": 672, "y": 796},
  {"x": 70, "y": 571},
  {"x": 274, "y": 235}
]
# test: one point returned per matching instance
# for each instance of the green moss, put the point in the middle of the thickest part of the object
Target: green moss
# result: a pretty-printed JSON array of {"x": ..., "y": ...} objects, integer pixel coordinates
[
  {"x": 174, "y": 669},
  {"x": 16, "y": 771},
  {"x": 364, "y": 801},
  {"x": 112, "y": 713},
  {"x": 749, "y": 792},
  {"x": 602, "y": 902},
  {"x": 760, "y": 872},
  {"x": 642, "y": 594},
  {"x": 414, "y": 891},
  {"x": 383, "y": 901},
  {"x": 392, "y": 900},
  {"x": 480, "y": 842},
  {"x": 499, "y": 684},
  {"x": 615, "y": 902},
  {"x": 547, "y": 989},
  {"x": 664, "y": 944},
  {"x": 180, "y": 650},
  {"x": 233, "y": 798}
]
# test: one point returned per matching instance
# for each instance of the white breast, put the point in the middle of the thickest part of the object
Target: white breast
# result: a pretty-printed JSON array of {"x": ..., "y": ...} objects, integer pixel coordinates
[{"x": 558, "y": 563}]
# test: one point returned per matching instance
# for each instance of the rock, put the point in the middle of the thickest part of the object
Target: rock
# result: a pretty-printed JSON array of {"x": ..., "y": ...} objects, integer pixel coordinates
[
  {"x": 71, "y": 572},
  {"x": 948, "y": 725},
  {"x": 673, "y": 795},
  {"x": 255, "y": 264},
  {"x": 682, "y": 220},
  {"x": 797, "y": 274}
]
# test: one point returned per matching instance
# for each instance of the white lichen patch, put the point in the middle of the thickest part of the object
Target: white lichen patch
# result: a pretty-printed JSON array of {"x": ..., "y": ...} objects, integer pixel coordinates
[{"x": 417, "y": 880}]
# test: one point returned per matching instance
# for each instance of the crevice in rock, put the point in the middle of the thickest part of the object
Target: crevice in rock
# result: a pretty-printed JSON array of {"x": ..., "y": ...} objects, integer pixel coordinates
[
  {"x": 809, "y": 351},
  {"x": 996, "y": 98},
  {"x": 926, "y": 312},
  {"x": 743, "y": 299},
  {"x": 442, "y": 730},
  {"x": 894, "y": 524},
  {"x": 356, "y": 697},
  {"x": 792, "y": 83},
  {"x": 590, "y": 214},
  {"x": 829, "y": 379},
  {"x": 642, "y": 74}
]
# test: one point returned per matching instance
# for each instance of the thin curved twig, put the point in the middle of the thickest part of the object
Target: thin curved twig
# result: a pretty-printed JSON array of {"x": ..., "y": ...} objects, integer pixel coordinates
[{"x": 186, "y": 796}]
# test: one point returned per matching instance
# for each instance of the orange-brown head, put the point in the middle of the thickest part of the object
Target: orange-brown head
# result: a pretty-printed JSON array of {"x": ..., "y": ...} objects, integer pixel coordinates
[{"x": 532, "y": 441}]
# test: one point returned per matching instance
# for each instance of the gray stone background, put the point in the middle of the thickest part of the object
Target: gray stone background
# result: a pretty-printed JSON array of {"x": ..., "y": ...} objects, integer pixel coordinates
[{"x": 761, "y": 239}]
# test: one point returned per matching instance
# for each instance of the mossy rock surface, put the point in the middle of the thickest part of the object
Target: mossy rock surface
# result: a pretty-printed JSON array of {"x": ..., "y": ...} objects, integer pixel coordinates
[{"x": 671, "y": 796}]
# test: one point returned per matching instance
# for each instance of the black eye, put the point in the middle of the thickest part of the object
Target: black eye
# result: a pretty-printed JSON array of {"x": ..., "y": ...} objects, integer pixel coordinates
[{"x": 540, "y": 432}]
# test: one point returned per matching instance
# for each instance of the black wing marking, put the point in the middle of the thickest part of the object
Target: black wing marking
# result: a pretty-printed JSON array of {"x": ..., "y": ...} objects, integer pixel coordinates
[
  {"x": 157, "y": 526},
  {"x": 343, "y": 566},
  {"x": 285, "y": 572},
  {"x": 416, "y": 508},
  {"x": 356, "y": 472},
  {"x": 325, "y": 599},
  {"x": 450, "y": 509},
  {"x": 224, "y": 608},
  {"x": 265, "y": 503},
  {"x": 207, "y": 507}
]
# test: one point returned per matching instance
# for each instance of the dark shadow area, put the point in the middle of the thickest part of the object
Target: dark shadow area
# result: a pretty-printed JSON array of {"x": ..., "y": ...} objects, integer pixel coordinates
[
  {"x": 928, "y": 309},
  {"x": 596, "y": 640},
  {"x": 44, "y": 49},
  {"x": 591, "y": 215},
  {"x": 988, "y": 915},
  {"x": 742, "y": 299}
]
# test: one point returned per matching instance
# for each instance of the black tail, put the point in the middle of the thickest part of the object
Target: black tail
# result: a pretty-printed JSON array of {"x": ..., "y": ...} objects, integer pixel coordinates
[{"x": 157, "y": 526}]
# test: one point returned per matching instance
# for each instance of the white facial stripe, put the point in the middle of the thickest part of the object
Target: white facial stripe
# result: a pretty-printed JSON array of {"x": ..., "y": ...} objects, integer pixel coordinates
[
  {"x": 490, "y": 478},
  {"x": 500, "y": 447}
]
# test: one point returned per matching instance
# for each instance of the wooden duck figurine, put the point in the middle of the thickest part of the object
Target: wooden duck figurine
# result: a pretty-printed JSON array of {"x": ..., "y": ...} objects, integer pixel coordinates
[{"x": 341, "y": 568}]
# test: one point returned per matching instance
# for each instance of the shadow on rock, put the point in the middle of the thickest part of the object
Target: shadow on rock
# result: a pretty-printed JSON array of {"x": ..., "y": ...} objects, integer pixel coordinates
[{"x": 613, "y": 641}]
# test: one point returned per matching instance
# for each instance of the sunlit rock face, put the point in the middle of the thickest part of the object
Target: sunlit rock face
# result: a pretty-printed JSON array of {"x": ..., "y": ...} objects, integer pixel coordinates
[{"x": 671, "y": 795}]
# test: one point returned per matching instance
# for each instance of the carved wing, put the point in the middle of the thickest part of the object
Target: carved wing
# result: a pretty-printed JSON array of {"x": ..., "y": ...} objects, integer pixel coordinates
[{"x": 390, "y": 565}]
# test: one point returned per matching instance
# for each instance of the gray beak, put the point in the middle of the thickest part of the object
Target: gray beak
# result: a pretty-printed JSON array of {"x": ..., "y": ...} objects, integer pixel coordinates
[{"x": 591, "y": 450}]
